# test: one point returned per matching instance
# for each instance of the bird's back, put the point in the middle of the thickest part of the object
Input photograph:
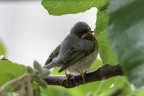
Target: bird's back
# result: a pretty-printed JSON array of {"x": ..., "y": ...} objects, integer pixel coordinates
[{"x": 67, "y": 44}]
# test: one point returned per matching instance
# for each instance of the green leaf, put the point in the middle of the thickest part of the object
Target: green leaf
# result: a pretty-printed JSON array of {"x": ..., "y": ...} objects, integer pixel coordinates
[
  {"x": 140, "y": 93},
  {"x": 9, "y": 71},
  {"x": 95, "y": 65},
  {"x": 2, "y": 49},
  {"x": 126, "y": 33},
  {"x": 55, "y": 91},
  {"x": 62, "y": 7},
  {"x": 106, "y": 53}
]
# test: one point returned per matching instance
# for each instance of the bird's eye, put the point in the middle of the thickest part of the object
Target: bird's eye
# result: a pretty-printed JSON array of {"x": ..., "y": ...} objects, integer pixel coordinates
[
  {"x": 88, "y": 28},
  {"x": 81, "y": 32}
]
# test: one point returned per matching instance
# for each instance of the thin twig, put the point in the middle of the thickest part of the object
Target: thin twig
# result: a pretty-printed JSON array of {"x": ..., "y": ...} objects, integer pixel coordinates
[
  {"x": 12, "y": 82},
  {"x": 29, "y": 87}
]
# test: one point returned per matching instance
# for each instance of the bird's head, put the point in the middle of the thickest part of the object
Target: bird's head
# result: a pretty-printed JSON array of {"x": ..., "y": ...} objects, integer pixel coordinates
[{"x": 80, "y": 28}]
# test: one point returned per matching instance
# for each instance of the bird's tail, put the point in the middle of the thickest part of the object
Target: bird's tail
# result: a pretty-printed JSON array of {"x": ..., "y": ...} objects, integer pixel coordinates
[{"x": 49, "y": 65}]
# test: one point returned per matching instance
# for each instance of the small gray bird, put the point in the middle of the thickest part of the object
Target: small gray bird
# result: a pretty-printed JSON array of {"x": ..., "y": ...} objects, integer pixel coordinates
[{"x": 77, "y": 51}]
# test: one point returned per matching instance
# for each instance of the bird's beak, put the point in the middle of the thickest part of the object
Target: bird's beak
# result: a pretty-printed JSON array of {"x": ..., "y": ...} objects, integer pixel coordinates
[{"x": 91, "y": 31}]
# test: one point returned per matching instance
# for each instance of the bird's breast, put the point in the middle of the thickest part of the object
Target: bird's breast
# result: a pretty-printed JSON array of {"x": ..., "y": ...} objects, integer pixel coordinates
[{"x": 83, "y": 64}]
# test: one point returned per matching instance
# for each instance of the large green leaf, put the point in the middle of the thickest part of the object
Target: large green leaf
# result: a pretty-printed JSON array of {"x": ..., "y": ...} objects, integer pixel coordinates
[
  {"x": 55, "y": 91},
  {"x": 106, "y": 54},
  {"x": 62, "y": 7},
  {"x": 126, "y": 33},
  {"x": 9, "y": 71},
  {"x": 2, "y": 49}
]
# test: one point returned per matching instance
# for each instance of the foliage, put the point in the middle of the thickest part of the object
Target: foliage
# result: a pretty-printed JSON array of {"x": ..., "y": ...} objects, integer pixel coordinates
[
  {"x": 126, "y": 32},
  {"x": 105, "y": 51},
  {"x": 9, "y": 71},
  {"x": 24, "y": 84},
  {"x": 120, "y": 25},
  {"x": 62, "y": 7},
  {"x": 2, "y": 49}
]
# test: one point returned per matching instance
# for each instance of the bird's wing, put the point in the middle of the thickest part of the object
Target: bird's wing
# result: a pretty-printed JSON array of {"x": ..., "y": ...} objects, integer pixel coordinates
[
  {"x": 76, "y": 53},
  {"x": 53, "y": 55}
]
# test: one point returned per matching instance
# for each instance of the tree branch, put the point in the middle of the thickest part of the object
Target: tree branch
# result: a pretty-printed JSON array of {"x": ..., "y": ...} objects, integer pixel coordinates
[{"x": 104, "y": 72}]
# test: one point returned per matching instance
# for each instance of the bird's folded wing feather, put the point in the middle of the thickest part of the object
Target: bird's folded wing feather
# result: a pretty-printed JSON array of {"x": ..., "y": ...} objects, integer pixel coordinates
[
  {"x": 76, "y": 53},
  {"x": 53, "y": 55}
]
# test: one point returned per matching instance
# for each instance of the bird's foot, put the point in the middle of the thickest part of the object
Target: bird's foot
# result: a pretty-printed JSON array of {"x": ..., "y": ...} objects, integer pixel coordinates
[
  {"x": 70, "y": 80},
  {"x": 69, "y": 77},
  {"x": 83, "y": 76}
]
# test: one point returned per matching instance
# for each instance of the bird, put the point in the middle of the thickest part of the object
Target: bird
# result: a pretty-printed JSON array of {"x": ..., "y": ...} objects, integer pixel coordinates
[{"x": 76, "y": 53}]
